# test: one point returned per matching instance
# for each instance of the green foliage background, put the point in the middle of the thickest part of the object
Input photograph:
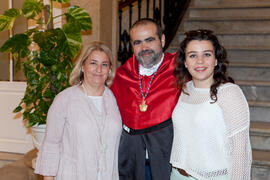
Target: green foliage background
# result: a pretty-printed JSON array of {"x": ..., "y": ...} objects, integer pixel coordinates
[{"x": 46, "y": 69}]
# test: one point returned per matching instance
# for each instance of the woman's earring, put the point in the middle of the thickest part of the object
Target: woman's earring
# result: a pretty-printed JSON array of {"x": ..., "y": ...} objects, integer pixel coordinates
[
  {"x": 186, "y": 65},
  {"x": 82, "y": 70},
  {"x": 216, "y": 62}
]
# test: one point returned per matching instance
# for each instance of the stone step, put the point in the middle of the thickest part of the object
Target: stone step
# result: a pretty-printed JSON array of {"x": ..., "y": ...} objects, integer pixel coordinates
[
  {"x": 230, "y": 3},
  {"x": 260, "y": 165},
  {"x": 244, "y": 40},
  {"x": 250, "y": 64},
  {"x": 260, "y": 135},
  {"x": 229, "y": 12},
  {"x": 226, "y": 25},
  {"x": 251, "y": 54},
  {"x": 226, "y": 18},
  {"x": 234, "y": 39},
  {"x": 250, "y": 71},
  {"x": 259, "y": 111},
  {"x": 255, "y": 90},
  {"x": 248, "y": 54}
]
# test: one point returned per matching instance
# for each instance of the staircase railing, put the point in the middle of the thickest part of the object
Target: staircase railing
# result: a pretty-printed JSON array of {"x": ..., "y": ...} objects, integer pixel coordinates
[{"x": 168, "y": 13}]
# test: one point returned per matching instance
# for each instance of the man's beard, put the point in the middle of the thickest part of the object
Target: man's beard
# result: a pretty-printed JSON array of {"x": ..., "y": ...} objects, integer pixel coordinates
[{"x": 154, "y": 58}]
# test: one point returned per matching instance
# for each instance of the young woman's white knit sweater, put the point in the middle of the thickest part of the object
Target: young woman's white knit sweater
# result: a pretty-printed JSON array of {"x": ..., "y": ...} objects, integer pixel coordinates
[{"x": 211, "y": 140}]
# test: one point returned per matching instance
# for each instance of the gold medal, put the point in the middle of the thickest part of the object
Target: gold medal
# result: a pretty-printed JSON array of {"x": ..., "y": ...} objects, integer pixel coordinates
[{"x": 143, "y": 106}]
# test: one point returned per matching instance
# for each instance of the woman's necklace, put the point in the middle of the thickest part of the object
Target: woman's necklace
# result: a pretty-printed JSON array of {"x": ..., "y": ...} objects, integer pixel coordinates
[
  {"x": 101, "y": 133},
  {"x": 92, "y": 91},
  {"x": 84, "y": 89},
  {"x": 143, "y": 106}
]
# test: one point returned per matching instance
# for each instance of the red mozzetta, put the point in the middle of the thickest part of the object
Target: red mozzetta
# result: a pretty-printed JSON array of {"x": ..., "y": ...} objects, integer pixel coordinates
[{"x": 161, "y": 98}]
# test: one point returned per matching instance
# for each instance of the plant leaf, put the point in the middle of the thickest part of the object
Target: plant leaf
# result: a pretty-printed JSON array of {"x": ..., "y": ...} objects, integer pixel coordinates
[
  {"x": 80, "y": 17},
  {"x": 47, "y": 58},
  {"x": 32, "y": 77},
  {"x": 29, "y": 32},
  {"x": 31, "y": 8},
  {"x": 62, "y": 1},
  {"x": 17, "y": 109},
  {"x": 8, "y": 18},
  {"x": 70, "y": 39},
  {"x": 46, "y": 40},
  {"x": 48, "y": 94},
  {"x": 13, "y": 13},
  {"x": 17, "y": 44},
  {"x": 59, "y": 75}
]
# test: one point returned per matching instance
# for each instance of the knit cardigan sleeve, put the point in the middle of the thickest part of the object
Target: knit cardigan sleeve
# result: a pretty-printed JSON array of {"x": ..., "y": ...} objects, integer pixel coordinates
[
  {"x": 236, "y": 115},
  {"x": 49, "y": 153}
]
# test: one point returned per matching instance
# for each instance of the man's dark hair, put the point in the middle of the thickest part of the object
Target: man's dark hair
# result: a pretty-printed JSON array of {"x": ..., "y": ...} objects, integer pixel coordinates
[{"x": 145, "y": 21}]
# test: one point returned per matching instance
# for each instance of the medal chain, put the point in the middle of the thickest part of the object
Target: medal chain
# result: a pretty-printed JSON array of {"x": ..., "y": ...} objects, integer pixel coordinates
[{"x": 140, "y": 82}]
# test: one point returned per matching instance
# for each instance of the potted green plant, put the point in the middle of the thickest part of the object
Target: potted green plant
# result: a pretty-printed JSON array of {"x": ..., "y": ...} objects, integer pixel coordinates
[{"x": 47, "y": 53}]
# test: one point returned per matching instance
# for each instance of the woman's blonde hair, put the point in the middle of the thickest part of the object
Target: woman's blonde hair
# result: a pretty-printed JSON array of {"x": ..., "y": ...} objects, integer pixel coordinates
[{"x": 76, "y": 76}]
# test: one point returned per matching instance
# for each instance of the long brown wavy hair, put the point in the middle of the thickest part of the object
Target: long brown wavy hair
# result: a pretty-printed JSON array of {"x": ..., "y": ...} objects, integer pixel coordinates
[{"x": 220, "y": 71}]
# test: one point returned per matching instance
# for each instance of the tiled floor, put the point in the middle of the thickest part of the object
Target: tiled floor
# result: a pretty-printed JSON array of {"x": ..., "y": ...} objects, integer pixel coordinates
[
  {"x": 16, "y": 166},
  {"x": 4, "y": 162},
  {"x": 7, "y": 158}
]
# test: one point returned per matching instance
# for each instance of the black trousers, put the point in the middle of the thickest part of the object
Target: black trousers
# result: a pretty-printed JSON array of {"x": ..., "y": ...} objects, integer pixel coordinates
[{"x": 132, "y": 154}]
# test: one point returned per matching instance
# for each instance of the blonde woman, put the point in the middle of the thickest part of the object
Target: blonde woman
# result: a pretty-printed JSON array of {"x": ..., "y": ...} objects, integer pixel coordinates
[{"x": 83, "y": 123}]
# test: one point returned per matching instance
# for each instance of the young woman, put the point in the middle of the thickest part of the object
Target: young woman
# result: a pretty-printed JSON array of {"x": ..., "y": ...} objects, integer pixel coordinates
[
  {"x": 83, "y": 123},
  {"x": 211, "y": 119}
]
